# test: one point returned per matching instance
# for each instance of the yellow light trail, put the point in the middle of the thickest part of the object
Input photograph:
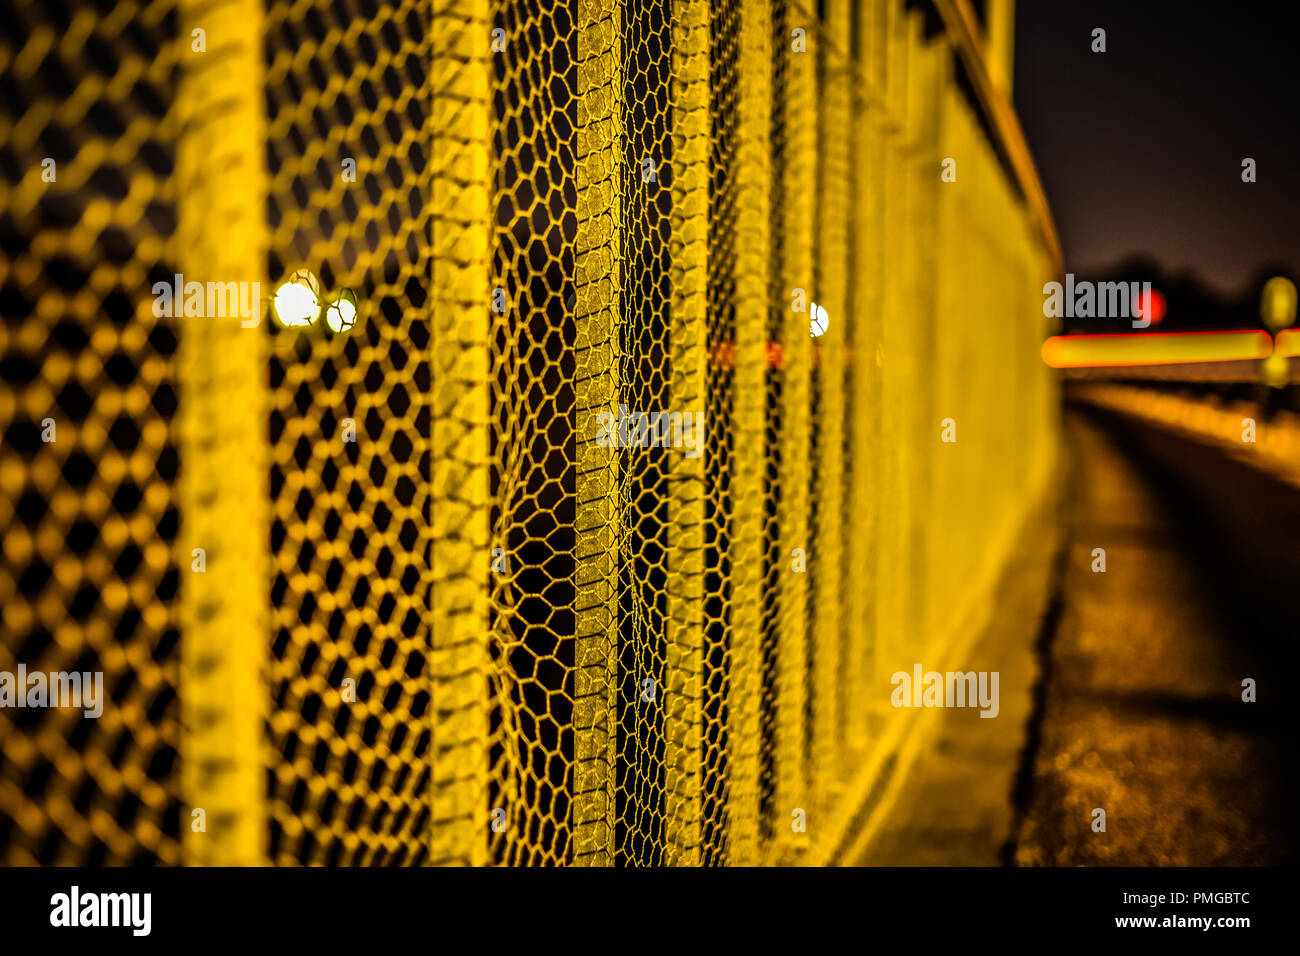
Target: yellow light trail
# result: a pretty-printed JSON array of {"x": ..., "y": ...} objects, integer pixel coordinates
[{"x": 1118, "y": 350}]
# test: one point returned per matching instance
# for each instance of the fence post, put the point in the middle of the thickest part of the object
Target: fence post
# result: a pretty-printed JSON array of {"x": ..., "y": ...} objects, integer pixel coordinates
[
  {"x": 223, "y": 484},
  {"x": 688, "y": 354},
  {"x": 830, "y": 630},
  {"x": 459, "y": 510},
  {"x": 892, "y": 579},
  {"x": 753, "y": 185},
  {"x": 798, "y": 208},
  {"x": 597, "y": 282}
]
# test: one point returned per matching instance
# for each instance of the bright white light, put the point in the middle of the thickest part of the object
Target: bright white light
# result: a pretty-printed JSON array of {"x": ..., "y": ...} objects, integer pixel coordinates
[
  {"x": 341, "y": 314},
  {"x": 295, "y": 305},
  {"x": 820, "y": 321},
  {"x": 297, "y": 301}
]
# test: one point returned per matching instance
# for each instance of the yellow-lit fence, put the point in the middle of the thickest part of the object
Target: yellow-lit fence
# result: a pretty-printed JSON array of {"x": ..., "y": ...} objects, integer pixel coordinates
[{"x": 407, "y": 592}]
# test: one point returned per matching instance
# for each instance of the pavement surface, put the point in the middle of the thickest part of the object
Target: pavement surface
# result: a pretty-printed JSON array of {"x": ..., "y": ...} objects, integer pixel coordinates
[{"x": 1123, "y": 689}]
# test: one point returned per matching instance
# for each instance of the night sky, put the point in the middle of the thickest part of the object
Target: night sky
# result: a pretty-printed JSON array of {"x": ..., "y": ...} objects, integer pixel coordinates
[{"x": 1140, "y": 148}]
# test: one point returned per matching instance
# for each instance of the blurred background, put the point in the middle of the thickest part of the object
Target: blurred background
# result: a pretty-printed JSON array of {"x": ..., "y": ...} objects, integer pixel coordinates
[{"x": 1181, "y": 499}]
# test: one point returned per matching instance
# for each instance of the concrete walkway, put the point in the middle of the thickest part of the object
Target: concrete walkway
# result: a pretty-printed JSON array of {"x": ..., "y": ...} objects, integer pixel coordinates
[{"x": 1129, "y": 698}]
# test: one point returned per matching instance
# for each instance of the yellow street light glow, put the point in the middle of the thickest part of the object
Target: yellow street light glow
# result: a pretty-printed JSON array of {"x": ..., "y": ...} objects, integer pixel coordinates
[
  {"x": 341, "y": 313},
  {"x": 1165, "y": 348},
  {"x": 1275, "y": 370},
  {"x": 297, "y": 301},
  {"x": 1277, "y": 304}
]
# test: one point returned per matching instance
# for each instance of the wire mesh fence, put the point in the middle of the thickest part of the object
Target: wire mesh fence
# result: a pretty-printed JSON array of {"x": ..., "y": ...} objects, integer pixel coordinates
[{"x": 683, "y": 401}]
